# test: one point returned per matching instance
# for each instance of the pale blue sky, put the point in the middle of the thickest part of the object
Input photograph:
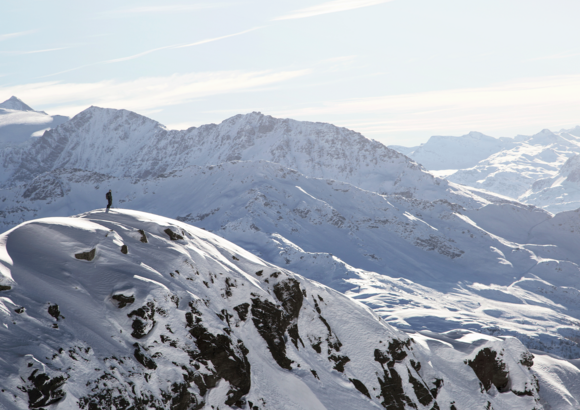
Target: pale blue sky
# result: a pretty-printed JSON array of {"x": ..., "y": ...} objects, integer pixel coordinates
[{"x": 397, "y": 71}]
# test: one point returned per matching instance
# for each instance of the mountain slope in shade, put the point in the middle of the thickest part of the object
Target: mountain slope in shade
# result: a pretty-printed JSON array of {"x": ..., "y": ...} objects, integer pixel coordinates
[
  {"x": 131, "y": 310},
  {"x": 19, "y": 124}
]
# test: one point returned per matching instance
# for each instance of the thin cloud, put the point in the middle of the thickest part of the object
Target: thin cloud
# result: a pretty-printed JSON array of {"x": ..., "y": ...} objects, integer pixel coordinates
[
  {"x": 532, "y": 102},
  {"x": 144, "y": 53},
  {"x": 169, "y": 8},
  {"x": 47, "y": 50},
  {"x": 148, "y": 93},
  {"x": 566, "y": 54},
  {"x": 209, "y": 40},
  {"x": 177, "y": 46},
  {"x": 330, "y": 7},
  {"x": 134, "y": 56},
  {"x": 13, "y": 35}
]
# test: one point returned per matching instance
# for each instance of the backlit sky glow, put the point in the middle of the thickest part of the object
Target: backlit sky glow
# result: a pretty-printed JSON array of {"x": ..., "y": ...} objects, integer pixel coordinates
[{"x": 397, "y": 71}]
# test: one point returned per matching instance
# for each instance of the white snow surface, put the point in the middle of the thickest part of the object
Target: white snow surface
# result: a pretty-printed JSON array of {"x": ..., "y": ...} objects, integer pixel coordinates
[
  {"x": 427, "y": 255},
  {"x": 146, "y": 328}
]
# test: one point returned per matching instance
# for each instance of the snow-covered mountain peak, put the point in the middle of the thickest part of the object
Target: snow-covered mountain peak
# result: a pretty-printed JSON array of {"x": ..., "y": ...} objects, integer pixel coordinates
[
  {"x": 14, "y": 103},
  {"x": 123, "y": 143}
]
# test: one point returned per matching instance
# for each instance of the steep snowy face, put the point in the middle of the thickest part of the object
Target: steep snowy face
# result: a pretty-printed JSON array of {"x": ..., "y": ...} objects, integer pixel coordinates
[
  {"x": 130, "y": 310},
  {"x": 125, "y": 144},
  {"x": 19, "y": 124}
]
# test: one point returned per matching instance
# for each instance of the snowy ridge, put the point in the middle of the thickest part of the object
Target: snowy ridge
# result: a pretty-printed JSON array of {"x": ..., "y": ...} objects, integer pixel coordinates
[
  {"x": 143, "y": 148},
  {"x": 128, "y": 309}
]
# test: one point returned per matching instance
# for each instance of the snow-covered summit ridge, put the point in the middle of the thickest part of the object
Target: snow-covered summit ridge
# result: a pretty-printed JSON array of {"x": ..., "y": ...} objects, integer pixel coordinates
[
  {"x": 122, "y": 143},
  {"x": 142, "y": 311}
]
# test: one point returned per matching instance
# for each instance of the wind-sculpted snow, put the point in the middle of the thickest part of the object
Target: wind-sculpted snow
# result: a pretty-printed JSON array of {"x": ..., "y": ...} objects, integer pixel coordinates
[{"x": 188, "y": 320}]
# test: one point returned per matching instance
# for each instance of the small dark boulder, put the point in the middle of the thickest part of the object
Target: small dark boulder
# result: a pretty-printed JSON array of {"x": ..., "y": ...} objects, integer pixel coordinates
[
  {"x": 489, "y": 369},
  {"x": 143, "y": 357},
  {"x": 43, "y": 390},
  {"x": 143, "y": 320},
  {"x": 5, "y": 287},
  {"x": 242, "y": 310},
  {"x": 122, "y": 300},
  {"x": 87, "y": 256},
  {"x": 54, "y": 311},
  {"x": 360, "y": 387},
  {"x": 143, "y": 236},
  {"x": 172, "y": 235},
  {"x": 124, "y": 249}
]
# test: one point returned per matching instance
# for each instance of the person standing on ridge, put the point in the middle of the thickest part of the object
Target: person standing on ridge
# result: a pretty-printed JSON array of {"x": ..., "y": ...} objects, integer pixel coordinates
[{"x": 109, "y": 197}]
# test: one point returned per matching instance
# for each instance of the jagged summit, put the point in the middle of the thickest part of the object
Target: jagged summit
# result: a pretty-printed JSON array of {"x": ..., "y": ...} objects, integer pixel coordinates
[
  {"x": 123, "y": 143},
  {"x": 14, "y": 103}
]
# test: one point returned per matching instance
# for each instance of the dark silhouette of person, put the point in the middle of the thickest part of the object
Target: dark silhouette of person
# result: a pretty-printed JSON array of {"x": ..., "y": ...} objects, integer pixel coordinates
[{"x": 109, "y": 197}]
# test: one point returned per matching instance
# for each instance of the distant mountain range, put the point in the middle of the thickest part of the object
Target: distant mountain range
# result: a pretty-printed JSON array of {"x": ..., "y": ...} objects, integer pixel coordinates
[
  {"x": 427, "y": 254},
  {"x": 519, "y": 167}
]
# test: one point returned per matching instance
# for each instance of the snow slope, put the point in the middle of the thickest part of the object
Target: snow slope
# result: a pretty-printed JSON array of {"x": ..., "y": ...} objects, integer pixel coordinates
[
  {"x": 131, "y": 310},
  {"x": 424, "y": 253},
  {"x": 472, "y": 263}
]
